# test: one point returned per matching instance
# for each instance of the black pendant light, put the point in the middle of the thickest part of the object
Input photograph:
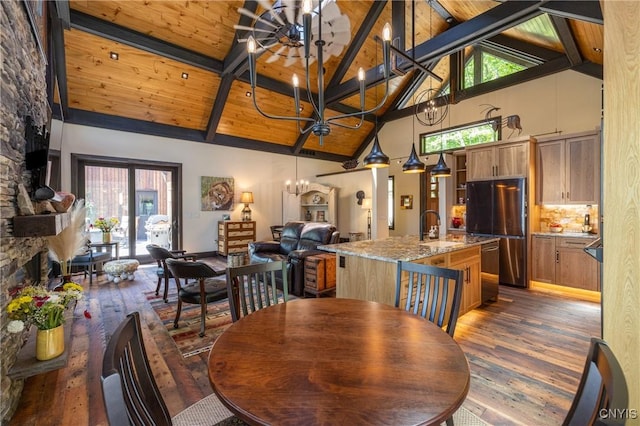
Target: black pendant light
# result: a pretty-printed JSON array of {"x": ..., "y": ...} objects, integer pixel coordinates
[
  {"x": 376, "y": 158},
  {"x": 413, "y": 164},
  {"x": 441, "y": 169}
]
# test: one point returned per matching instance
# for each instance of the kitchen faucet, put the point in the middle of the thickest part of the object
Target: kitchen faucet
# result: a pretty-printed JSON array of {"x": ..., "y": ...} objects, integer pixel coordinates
[{"x": 422, "y": 221}]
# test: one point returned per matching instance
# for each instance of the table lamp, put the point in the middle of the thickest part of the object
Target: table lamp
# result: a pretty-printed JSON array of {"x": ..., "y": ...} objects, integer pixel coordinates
[{"x": 246, "y": 198}]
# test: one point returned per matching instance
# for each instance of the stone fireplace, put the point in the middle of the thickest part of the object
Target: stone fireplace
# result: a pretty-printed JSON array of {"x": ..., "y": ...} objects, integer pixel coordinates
[{"x": 24, "y": 93}]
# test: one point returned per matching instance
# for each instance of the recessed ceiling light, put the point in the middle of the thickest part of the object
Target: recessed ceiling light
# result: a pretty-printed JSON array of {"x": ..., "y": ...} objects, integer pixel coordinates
[
  {"x": 247, "y": 94},
  {"x": 114, "y": 55},
  {"x": 597, "y": 50},
  {"x": 185, "y": 75}
]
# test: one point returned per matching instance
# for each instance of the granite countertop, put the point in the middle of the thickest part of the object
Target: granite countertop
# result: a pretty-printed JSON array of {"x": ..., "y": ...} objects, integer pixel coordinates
[
  {"x": 405, "y": 248},
  {"x": 567, "y": 234}
]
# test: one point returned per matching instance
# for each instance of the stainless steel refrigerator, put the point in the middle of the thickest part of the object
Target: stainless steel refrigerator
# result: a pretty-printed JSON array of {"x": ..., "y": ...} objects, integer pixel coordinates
[{"x": 498, "y": 208}]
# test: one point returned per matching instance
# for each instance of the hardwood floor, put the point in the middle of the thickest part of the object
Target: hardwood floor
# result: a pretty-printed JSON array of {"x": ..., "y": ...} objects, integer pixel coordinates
[{"x": 526, "y": 353}]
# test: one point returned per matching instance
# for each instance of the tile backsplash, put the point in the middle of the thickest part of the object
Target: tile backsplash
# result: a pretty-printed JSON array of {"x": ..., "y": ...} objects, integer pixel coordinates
[{"x": 571, "y": 217}]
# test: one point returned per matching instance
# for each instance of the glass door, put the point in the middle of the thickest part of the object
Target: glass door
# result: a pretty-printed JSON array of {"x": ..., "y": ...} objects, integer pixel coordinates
[{"x": 141, "y": 197}]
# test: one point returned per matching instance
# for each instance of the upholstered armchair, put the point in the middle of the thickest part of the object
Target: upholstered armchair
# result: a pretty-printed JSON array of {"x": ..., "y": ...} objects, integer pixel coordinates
[{"x": 298, "y": 241}]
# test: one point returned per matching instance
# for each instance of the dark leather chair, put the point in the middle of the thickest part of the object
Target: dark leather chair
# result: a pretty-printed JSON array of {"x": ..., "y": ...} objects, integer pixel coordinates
[
  {"x": 200, "y": 292},
  {"x": 130, "y": 392},
  {"x": 433, "y": 292},
  {"x": 253, "y": 287},
  {"x": 602, "y": 397},
  {"x": 298, "y": 241},
  {"x": 160, "y": 255}
]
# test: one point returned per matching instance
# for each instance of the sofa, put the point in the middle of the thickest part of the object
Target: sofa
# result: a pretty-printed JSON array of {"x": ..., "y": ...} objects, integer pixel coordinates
[{"x": 298, "y": 241}]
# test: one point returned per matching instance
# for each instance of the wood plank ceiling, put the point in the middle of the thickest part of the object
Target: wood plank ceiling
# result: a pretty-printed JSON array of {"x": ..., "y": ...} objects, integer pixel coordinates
[{"x": 158, "y": 42}]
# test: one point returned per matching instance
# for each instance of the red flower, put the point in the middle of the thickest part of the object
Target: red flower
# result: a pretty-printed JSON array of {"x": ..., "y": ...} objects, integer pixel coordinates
[{"x": 87, "y": 314}]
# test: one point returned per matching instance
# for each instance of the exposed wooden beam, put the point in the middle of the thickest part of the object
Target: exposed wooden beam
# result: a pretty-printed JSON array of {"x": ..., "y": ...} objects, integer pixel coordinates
[
  {"x": 590, "y": 69},
  {"x": 144, "y": 42},
  {"x": 568, "y": 41},
  {"x": 356, "y": 44},
  {"x": 59, "y": 65},
  {"x": 367, "y": 140},
  {"x": 218, "y": 106},
  {"x": 236, "y": 61},
  {"x": 587, "y": 10},
  {"x": 64, "y": 13}
]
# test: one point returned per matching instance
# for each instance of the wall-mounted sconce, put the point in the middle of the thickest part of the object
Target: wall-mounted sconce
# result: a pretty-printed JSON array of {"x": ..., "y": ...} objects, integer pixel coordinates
[{"x": 360, "y": 197}]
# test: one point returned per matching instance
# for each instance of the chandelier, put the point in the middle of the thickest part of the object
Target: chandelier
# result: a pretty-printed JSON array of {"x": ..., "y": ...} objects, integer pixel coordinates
[
  {"x": 301, "y": 186},
  {"x": 280, "y": 28}
]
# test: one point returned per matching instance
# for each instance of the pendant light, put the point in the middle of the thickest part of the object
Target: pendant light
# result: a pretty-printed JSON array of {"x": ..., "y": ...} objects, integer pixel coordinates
[
  {"x": 376, "y": 158},
  {"x": 413, "y": 164},
  {"x": 441, "y": 169}
]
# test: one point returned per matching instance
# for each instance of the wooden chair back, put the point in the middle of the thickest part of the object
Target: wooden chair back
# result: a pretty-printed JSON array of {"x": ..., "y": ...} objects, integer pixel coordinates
[
  {"x": 253, "y": 287},
  {"x": 602, "y": 397},
  {"x": 433, "y": 292},
  {"x": 130, "y": 393}
]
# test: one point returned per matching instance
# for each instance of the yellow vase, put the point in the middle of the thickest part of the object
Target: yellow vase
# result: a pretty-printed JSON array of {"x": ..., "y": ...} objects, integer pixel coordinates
[
  {"x": 49, "y": 343},
  {"x": 106, "y": 237}
]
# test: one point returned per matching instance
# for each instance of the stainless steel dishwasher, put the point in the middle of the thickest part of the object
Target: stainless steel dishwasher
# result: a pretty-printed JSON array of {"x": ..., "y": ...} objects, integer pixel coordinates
[{"x": 490, "y": 270}]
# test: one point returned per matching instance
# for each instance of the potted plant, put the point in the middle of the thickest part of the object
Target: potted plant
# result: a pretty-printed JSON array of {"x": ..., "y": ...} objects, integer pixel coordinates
[
  {"x": 106, "y": 226},
  {"x": 35, "y": 305},
  {"x": 64, "y": 246}
]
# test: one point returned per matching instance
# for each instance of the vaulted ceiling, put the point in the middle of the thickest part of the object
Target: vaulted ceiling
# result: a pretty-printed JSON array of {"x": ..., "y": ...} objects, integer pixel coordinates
[{"x": 159, "y": 43}]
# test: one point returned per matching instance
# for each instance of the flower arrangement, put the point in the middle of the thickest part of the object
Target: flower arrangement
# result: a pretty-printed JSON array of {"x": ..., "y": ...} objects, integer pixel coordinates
[
  {"x": 42, "y": 308},
  {"x": 106, "y": 225}
]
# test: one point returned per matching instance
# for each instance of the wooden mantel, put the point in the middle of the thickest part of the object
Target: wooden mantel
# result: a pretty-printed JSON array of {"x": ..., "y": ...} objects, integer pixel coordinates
[{"x": 40, "y": 225}]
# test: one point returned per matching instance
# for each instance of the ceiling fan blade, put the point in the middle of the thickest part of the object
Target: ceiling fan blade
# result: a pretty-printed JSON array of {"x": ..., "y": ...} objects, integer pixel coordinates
[
  {"x": 268, "y": 6},
  {"x": 243, "y": 27},
  {"x": 250, "y": 14},
  {"x": 289, "y": 10},
  {"x": 276, "y": 55}
]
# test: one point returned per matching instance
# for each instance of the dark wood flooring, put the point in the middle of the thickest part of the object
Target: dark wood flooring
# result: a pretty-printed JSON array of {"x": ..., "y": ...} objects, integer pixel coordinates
[{"x": 526, "y": 353}]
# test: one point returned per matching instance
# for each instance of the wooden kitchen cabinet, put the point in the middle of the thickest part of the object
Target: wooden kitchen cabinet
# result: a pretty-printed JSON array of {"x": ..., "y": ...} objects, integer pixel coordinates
[
  {"x": 568, "y": 170},
  {"x": 498, "y": 160},
  {"x": 234, "y": 237},
  {"x": 562, "y": 261},
  {"x": 543, "y": 257},
  {"x": 468, "y": 261}
]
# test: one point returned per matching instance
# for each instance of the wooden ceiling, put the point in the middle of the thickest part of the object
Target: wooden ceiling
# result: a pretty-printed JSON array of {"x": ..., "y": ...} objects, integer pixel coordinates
[{"x": 158, "y": 41}]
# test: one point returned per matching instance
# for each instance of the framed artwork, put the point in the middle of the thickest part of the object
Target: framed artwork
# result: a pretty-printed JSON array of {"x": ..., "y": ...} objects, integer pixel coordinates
[
  {"x": 37, "y": 12},
  {"x": 320, "y": 216},
  {"x": 406, "y": 202},
  {"x": 216, "y": 193}
]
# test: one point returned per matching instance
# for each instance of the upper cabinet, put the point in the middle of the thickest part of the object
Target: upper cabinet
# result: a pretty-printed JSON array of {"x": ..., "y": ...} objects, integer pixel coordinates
[
  {"x": 499, "y": 160},
  {"x": 568, "y": 169},
  {"x": 319, "y": 203}
]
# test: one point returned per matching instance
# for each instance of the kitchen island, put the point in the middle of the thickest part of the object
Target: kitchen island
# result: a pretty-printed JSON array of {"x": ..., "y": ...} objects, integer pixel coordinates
[{"x": 367, "y": 270}]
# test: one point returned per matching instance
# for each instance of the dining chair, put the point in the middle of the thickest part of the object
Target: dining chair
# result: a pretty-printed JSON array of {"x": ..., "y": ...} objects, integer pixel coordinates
[
  {"x": 130, "y": 392},
  {"x": 433, "y": 292},
  {"x": 202, "y": 291},
  {"x": 602, "y": 397},
  {"x": 253, "y": 287},
  {"x": 160, "y": 255}
]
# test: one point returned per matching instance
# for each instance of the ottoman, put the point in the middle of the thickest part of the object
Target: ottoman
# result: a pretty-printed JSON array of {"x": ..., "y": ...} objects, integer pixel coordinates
[{"x": 118, "y": 270}]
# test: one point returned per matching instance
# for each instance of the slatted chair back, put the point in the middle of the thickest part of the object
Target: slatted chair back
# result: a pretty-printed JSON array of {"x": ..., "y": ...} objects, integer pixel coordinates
[
  {"x": 253, "y": 287},
  {"x": 130, "y": 393},
  {"x": 602, "y": 397},
  {"x": 432, "y": 292}
]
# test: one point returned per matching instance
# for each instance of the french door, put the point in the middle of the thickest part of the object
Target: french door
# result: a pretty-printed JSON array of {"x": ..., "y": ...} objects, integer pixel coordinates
[{"x": 142, "y": 196}]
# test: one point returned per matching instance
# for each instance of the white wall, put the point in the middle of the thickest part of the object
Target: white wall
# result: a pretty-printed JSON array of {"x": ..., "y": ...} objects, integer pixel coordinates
[
  {"x": 262, "y": 173},
  {"x": 567, "y": 102}
]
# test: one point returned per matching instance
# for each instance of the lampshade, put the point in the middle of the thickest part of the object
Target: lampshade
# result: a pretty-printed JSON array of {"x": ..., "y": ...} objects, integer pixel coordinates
[
  {"x": 413, "y": 164},
  {"x": 376, "y": 158},
  {"x": 366, "y": 203},
  {"x": 246, "y": 197},
  {"x": 441, "y": 169}
]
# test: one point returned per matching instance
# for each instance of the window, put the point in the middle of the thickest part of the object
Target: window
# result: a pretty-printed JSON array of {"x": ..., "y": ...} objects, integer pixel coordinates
[
  {"x": 390, "y": 192},
  {"x": 459, "y": 137}
]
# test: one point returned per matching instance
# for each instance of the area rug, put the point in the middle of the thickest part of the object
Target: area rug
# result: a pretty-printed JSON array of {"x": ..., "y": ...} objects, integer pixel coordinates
[{"x": 186, "y": 336}]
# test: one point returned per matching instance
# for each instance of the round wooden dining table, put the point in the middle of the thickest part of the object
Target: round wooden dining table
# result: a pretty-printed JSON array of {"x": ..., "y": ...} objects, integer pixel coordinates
[{"x": 338, "y": 361}]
